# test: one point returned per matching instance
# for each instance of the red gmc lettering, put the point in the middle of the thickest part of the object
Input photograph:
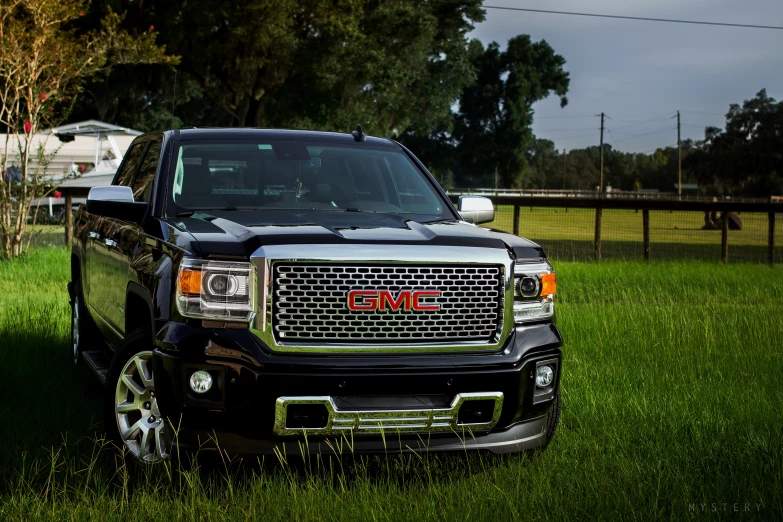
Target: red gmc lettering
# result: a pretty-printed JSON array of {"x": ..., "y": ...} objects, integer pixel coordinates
[
  {"x": 425, "y": 293},
  {"x": 403, "y": 300},
  {"x": 384, "y": 299},
  {"x": 369, "y": 303}
]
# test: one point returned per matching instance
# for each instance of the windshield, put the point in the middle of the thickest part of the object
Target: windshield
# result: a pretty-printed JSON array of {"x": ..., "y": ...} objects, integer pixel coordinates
[{"x": 301, "y": 176}]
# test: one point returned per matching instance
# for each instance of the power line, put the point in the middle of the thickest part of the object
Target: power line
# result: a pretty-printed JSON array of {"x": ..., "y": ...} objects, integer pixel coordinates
[
  {"x": 669, "y": 128},
  {"x": 705, "y": 112},
  {"x": 563, "y": 117},
  {"x": 643, "y": 121},
  {"x": 569, "y": 129},
  {"x": 662, "y": 116},
  {"x": 639, "y": 18},
  {"x": 572, "y": 138}
]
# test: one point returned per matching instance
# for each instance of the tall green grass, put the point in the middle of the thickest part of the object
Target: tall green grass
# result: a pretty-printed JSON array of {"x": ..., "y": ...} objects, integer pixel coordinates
[{"x": 673, "y": 408}]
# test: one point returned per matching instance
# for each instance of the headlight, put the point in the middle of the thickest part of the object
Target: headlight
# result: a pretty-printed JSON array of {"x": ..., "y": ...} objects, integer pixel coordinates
[
  {"x": 215, "y": 290},
  {"x": 534, "y": 292}
]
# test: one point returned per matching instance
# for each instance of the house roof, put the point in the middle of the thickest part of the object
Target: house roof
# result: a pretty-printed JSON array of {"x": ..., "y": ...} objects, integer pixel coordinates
[
  {"x": 92, "y": 127},
  {"x": 81, "y": 186}
]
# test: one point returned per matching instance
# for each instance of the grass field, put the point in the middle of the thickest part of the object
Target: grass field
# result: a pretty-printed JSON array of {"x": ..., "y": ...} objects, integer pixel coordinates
[{"x": 673, "y": 409}]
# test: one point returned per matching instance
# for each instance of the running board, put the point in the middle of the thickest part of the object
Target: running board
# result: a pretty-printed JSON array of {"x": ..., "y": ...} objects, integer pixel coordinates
[{"x": 97, "y": 361}]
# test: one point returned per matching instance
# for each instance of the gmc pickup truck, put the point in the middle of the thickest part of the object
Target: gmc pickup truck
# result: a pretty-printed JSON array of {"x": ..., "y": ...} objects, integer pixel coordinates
[{"x": 254, "y": 291}]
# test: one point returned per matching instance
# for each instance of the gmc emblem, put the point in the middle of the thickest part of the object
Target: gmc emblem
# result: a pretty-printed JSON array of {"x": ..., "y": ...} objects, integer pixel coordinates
[{"x": 384, "y": 300}]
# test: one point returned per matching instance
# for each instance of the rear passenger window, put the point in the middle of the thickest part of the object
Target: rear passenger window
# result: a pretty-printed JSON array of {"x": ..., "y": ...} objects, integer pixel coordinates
[
  {"x": 130, "y": 164},
  {"x": 142, "y": 187}
]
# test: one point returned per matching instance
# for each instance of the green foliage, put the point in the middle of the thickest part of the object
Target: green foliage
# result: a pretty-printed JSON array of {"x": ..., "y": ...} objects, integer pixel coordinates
[
  {"x": 493, "y": 124},
  {"x": 326, "y": 64},
  {"x": 745, "y": 158},
  {"x": 45, "y": 61}
]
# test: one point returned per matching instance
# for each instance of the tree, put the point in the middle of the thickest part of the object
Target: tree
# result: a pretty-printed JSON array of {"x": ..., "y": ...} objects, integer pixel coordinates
[
  {"x": 437, "y": 150},
  {"x": 43, "y": 64},
  {"x": 493, "y": 125},
  {"x": 544, "y": 164},
  {"x": 745, "y": 158},
  {"x": 389, "y": 65}
]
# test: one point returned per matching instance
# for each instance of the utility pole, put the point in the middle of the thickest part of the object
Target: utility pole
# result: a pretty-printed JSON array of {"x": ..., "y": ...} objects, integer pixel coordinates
[
  {"x": 601, "y": 182},
  {"x": 599, "y": 210},
  {"x": 496, "y": 180},
  {"x": 679, "y": 158},
  {"x": 564, "y": 167}
]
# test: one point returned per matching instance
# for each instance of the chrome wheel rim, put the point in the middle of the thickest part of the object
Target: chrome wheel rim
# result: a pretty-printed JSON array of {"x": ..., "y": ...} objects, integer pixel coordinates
[
  {"x": 144, "y": 432},
  {"x": 75, "y": 329}
]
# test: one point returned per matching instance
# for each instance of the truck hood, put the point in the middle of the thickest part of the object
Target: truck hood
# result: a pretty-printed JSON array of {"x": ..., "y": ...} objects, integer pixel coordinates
[{"x": 240, "y": 233}]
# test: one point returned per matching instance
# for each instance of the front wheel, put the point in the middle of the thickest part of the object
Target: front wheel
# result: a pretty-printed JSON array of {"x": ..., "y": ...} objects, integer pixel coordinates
[
  {"x": 132, "y": 416},
  {"x": 553, "y": 419}
]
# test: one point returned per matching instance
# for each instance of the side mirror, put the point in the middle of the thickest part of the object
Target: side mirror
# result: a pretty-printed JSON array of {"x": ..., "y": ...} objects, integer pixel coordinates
[
  {"x": 116, "y": 201},
  {"x": 476, "y": 209}
]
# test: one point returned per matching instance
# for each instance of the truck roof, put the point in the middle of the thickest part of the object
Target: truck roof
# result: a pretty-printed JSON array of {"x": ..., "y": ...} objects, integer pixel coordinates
[{"x": 244, "y": 133}]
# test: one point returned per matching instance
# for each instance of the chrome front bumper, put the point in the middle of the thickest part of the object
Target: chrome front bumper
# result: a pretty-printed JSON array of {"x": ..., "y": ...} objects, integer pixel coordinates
[
  {"x": 414, "y": 417},
  {"x": 522, "y": 436}
]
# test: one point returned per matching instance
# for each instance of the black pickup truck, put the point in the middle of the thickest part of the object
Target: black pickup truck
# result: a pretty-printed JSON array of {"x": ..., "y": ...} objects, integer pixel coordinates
[{"x": 266, "y": 290}]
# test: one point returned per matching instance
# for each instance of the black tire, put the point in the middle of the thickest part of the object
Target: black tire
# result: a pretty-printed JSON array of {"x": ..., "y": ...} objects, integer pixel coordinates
[
  {"x": 84, "y": 334},
  {"x": 147, "y": 434},
  {"x": 552, "y": 420}
]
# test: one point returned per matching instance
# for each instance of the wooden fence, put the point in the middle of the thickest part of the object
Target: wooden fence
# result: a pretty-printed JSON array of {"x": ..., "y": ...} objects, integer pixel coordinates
[{"x": 771, "y": 208}]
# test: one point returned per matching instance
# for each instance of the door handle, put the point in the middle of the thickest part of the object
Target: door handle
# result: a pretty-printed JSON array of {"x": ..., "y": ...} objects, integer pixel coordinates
[
  {"x": 94, "y": 235},
  {"x": 110, "y": 243}
]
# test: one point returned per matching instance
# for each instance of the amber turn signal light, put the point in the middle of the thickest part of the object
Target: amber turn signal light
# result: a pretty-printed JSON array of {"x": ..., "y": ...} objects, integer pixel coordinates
[
  {"x": 190, "y": 282},
  {"x": 548, "y": 284}
]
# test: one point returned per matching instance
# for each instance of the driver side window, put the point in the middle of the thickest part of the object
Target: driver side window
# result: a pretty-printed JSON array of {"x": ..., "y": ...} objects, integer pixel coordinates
[
  {"x": 130, "y": 164},
  {"x": 142, "y": 186}
]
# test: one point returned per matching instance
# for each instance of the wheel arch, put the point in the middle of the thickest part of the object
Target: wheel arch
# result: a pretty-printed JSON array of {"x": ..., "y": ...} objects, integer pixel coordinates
[
  {"x": 138, "y": 311},
  {"x": 76, "y": 264}
]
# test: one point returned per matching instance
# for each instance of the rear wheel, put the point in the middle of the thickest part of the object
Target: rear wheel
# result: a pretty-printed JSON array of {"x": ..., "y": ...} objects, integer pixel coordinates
[
  {"x": 83, "y": 332},
  {"x": 76, "y": 318},
  {"x": 132, "y": 416}
]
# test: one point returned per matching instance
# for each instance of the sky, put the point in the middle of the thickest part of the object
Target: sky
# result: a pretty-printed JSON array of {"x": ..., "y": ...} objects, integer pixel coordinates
[{"x": 640, "y": 73}]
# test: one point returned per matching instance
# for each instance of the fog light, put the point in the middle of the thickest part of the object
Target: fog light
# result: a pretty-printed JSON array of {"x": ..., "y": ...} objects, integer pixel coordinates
[
  {"x": 544, "y": 376},
  {"x": 201, "y": 381}
]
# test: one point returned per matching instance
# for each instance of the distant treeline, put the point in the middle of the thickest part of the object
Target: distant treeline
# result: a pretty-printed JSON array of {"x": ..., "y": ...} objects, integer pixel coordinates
[{"x": 404, "y": 69}]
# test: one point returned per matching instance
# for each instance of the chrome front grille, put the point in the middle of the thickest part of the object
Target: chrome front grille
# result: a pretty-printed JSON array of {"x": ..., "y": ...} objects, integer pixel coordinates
[{"x": 310, "y": 303}]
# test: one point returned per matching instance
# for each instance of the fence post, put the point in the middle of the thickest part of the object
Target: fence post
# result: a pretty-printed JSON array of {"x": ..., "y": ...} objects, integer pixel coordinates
[
  {"x": 516, "y": 220},
  {"x": 646, "y": 232},
  {"x": 724, "y": 238},
  {"x": 597, "y": 242},
  {"x": 68, "y": 219},
  {"x": 771, "y": 239}
]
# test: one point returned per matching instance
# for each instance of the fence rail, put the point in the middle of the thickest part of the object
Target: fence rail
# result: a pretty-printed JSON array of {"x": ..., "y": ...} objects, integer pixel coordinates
[
  {"x": 615, "y": 194},
  {"x": 644, "y": 228}
]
